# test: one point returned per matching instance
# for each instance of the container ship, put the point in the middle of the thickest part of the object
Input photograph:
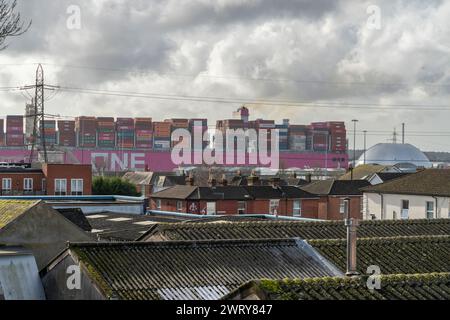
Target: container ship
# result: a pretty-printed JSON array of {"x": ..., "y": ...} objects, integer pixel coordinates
[{"x": 121, "y": 144}]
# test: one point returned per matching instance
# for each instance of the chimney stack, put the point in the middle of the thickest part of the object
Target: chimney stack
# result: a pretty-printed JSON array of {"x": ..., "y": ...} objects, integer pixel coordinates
[
  {"x": 352, "y": 226},
  {"x": 275, "y": 182},
  {"x": 190, "y": 181},
  {"x": 253, "y": 180},
  {"x": 212, "y": 182},
  {"x": 224, "y": 181}
]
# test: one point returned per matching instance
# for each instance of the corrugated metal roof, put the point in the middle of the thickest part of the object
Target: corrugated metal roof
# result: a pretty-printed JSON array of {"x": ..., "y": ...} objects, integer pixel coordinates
[
  {"x": 293, "y": 229},
  {"x": 434, "y": 286},
  {"x": 193, "y": 270}
]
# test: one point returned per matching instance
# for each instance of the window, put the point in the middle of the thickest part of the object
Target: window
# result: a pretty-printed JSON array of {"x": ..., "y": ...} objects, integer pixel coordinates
[
  {"x": 76, "y": 187},
  {"x": 274, "y": 207},
  {"x": 6, "y": 184},
  {"x": 343, "y": 204},
  {"x": 211, "y": 208},
  {"x": 179, "y": 206},
  {"x": 297, "y": 208},
  {"x": 405, "y": 209},
  {"x": 28, "y": 184},
  {"x": 158, "y": 204},
  {"x": 60, "y": 187},
  {"x": 44, "y": 185},
  {"x": 430, "y": 209},
  {"x": 242, "y": 207}
]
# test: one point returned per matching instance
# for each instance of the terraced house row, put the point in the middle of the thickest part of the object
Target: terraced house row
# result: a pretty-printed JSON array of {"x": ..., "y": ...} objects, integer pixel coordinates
[{"x": 380, "y": 196}]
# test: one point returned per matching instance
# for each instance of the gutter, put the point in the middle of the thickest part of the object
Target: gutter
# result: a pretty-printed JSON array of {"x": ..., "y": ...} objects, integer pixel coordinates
[{"x": 203, "y": 217}]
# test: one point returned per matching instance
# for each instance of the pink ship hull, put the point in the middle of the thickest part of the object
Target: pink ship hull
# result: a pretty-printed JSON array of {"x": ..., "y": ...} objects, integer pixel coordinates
[{"x": 114, "y": 161}]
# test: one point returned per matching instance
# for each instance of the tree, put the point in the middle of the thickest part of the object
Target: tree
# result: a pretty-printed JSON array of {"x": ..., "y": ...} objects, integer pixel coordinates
[
  {"x": 11, "y": 24},
  {"x": 104, "y": 186}
]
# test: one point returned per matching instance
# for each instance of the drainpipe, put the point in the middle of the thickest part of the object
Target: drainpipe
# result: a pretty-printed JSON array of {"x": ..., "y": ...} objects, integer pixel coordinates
[
  {"x": 382, "y": 207},
  {"x": 436, "y": 207},
  {"x": 352, "y": 226}
]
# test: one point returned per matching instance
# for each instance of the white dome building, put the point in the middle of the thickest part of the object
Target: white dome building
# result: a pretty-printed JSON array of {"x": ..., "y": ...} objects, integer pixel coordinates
[{"x": 404, "y": 156}]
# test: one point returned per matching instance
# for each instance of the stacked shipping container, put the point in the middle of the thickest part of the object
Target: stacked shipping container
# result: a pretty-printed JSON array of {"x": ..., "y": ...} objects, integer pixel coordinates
[
  {"x": 283, "y": 132},
  {"x": 178, "y": 124},
  {"x": 87, "y": 131},
  {"x": 162, "y": 132},
  {"x": 125, "y": 133},
  {"x": 106, "y": 132},
  {"x": 144, "y": 133},
  {"x": 48, "y": 132},
  {"x": 338, "y": 135},
  {"x": 2, "y": 133},
  {"x": 198, "y": 127},
  {"x": 14, "y": 131},
  {"x": 67, "y": 136},
  {"x": 320, "y": 136},
  {"x": 297, "y": 137}
]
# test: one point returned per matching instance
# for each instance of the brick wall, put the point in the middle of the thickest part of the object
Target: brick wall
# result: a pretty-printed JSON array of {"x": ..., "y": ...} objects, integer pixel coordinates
[
  {"x": 68, "y": 172},
  {"x": 17, "y": 181},
  {"x": 230, "y": 207},
  {"x": 333, "y": 208}
]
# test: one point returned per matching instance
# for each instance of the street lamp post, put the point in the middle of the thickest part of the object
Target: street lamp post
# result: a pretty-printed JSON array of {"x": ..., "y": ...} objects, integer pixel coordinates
[{"x": 354, "y": 142}]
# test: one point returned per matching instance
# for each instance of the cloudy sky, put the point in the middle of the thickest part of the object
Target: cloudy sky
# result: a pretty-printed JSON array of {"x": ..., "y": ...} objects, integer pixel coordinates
[{"x": 320, "y": 60}]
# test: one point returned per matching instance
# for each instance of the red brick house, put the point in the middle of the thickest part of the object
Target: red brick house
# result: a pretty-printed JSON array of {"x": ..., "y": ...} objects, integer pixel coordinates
[
  {"x": 51, "y": 179},
  {"x": 234, "y": 200},
  {"x": 332, "y": 195}
]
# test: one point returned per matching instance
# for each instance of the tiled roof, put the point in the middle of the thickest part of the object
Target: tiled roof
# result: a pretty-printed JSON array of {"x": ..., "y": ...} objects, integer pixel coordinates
[
  {"x": 434, "y": 286},
  {"x": 362, "y": 171},
  {"x": 139, "y": 178},
  {"x": 400, "y": 255},
  {"x": 293, "y": 229},
  {"x": 220, "y": 193},
  {"x": 175, "y": 192},
  {"x": 11, "y": 209},
  {"x": 269, "y": 192},
  {"x": 433, "y": 182},
  {"x": 233, "y": 193},
  {"x": 387, "y": 176},
  {"x": 192, "y": 270},
  {"x": 336, "y": 187}
]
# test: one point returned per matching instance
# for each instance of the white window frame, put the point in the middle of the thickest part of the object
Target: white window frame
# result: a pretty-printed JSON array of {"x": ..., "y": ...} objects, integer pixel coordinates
[
  {"x": 158, "y": 204},
  {"x": 428, "y": 211},
  {"x": 211, "y": 208},
  {"x": 343, "y": 206},
  {"x": 179, "y": 206},
  {"x": 28, "y": 184},
  {"x": 274, "y": 206},
  {"x": 242, "y": 207},
  {"x": 44, "y": 185},
  {"x": 58, "y": 184},
  {"x": 404, "y": 212},
  {"x": 297, "y": 208},
  {"x": 8, "y": 183},
  {"x": 77, "y": 183}
]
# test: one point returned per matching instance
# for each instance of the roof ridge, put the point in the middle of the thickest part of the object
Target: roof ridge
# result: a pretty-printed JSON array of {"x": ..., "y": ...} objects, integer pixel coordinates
[
  {"x": 195, "y": 243},
  {"x": 437, "y": 238}
]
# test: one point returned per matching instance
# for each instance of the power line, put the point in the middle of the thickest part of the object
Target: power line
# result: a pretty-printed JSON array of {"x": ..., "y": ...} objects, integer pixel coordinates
[
  {"x": 237, "y": 77},
  {"x": 271, "y": 102}
]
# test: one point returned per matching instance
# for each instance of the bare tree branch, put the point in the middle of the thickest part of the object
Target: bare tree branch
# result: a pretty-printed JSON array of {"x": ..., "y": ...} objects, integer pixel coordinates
[{"x": 11, "y": 24}]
